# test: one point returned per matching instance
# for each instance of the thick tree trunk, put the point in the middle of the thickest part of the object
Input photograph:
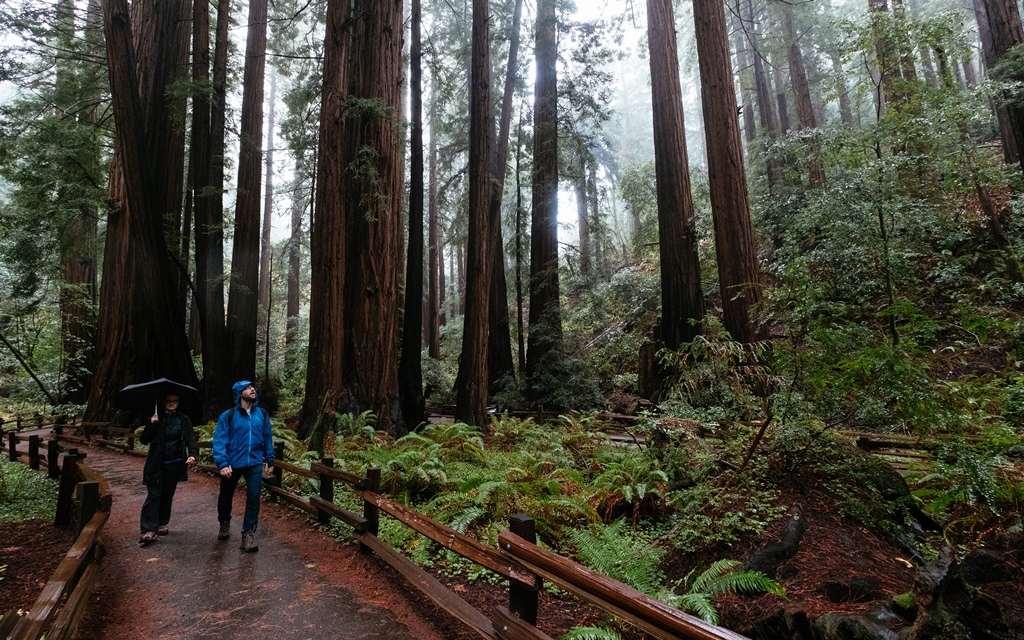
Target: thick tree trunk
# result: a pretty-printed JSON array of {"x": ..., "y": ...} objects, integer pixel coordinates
[
  {"x": 373, "y": 192},
  {"x": 471, "y": 383},
  {"x": 78, "y": 251},
  {"x": 734, "y": 237},
  {"x": 989, "y": 57},
  {"x": 410, "y": 373},
  {"x": 141, "y": 328},
  {"x": 682, "y": 298},
  {"x": 327, "y": 301},
  {"x": 243, "y": 295},
  {"x": 545, "y": 307},
  {"x": 1002, "y": 30},
  {"x": 499, "y": 344}
]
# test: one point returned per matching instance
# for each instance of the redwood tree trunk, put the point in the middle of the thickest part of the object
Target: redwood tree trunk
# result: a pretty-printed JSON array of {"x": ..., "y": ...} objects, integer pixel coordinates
[
  {"x": 327, "y": 237},
  {"x": 410, "y": 373},
  {"x": 471, "y": 383},
  {"x": 802, "y": 95},
  {"x": 373, "y": 192},
  {"x": 243, "y": 296},
  {"x": 435, "y": 265},
  {"x": 682, "y": 298},
  {"x": 500, "y": 365},
  {"x": 141, "y": 329},
  {"x": 730, "y": 207},
  {"x": 545, "y": 307}
]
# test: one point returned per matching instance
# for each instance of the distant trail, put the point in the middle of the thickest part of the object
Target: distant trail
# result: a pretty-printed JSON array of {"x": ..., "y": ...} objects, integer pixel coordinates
[{"x": 301, "y": 584}]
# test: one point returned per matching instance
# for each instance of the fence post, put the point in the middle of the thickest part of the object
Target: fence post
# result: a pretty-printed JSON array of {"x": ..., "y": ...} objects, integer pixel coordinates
[
  {"x": 278, "y": 455},
  {"x": 52, "y": 462},
  {"x": 326, "y": 491},
  {"x": 33, "y": 452},
  {"x": 58, "y": 424},
  {"x": 370, "y": 511},
  {"x": 12, "y": 442},
  {"x": 65, "y": 495},
  {"x": 87, "y": 496},
  {"x": 522, "y": 601}
]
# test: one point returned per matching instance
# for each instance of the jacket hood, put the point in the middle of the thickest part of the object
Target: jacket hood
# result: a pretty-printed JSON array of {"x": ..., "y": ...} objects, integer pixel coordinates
[{"x": 236, "y": 392}]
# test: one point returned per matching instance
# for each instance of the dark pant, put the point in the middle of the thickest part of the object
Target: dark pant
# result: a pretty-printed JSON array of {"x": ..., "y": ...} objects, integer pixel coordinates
[
  {"x": 253, "y": 482},
  {"x": 156, "y": 510}
]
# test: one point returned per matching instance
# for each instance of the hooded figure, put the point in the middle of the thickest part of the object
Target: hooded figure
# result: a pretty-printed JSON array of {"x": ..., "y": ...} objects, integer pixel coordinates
[
  {"x": 172, "y": 447},
  {"x": 242, "y": 446}
]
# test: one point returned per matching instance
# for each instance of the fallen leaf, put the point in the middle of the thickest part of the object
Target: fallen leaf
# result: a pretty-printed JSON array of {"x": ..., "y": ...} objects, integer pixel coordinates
[
  {"x": 459, "y": 588},
  {"x": 909, "y": 564}
]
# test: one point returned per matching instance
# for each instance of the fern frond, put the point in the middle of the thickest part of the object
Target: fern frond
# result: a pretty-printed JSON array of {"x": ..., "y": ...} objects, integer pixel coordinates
[{"x": 591, "y": 633}]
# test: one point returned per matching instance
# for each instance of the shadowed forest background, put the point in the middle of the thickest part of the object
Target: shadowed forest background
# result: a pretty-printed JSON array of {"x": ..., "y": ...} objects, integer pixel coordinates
[{"x": 751, "y": 231}]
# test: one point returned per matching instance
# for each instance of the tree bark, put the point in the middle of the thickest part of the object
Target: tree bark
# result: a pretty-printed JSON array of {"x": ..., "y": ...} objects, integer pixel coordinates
[
  {"x": 802, "y": 95},
  {"x": 410, "y": 373},
  {"x": 327, "y": 325},
  {"x": 243, "y": 294},
  {"x": 989, "y": 58},
  {"x": 471, "y": 383},
  {"x": 373, "y": 163},
  {"x": 499, "y": 345},
  {"x": 141, "y": 329},
  {"x": 682, "y": 297},
  {"x": 730, "y": 207},
  {"x": 435, "y": 264},
  {"x": 268, "y": 207},
  {"x": 545, "y": 308}
]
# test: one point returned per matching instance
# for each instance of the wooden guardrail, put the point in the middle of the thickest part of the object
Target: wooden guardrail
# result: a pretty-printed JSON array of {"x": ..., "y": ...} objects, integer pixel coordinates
[
  {"x": 519, "y": 560},
  {"x": 524, "y": 569},
  {"x": 83, "y": 502}
]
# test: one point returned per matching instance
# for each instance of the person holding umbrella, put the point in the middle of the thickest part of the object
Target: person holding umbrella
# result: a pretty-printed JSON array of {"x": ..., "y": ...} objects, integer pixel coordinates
[
  {"x": 243, "y": 447},
  {"x": 172, "y": 448}
]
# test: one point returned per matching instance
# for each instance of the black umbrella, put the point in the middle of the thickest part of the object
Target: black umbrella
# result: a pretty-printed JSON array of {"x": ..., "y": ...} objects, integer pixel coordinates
[{"x": 146, "y": 397}]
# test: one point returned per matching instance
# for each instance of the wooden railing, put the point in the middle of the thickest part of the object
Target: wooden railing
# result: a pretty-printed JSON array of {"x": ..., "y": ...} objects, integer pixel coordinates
[
  {"x": 519, "y": 559},
  {"x": 83, "y": 503}
]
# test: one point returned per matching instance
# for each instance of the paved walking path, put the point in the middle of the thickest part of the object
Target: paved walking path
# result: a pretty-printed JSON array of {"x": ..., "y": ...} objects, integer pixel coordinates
[{"x": 189, "y": 585}]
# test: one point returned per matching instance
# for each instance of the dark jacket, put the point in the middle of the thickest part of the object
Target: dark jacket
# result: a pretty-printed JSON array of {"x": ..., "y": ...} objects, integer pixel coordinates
[
  {"x": 153, "y": 435},
  {"x": 243, "y": 439}
]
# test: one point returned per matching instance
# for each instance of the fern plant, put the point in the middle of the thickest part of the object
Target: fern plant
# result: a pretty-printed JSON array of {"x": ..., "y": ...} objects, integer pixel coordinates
[
  {"x": 619, "y": 554},
  {"x": 718, "y": 579},
  {"x": 591, "y": 633}
]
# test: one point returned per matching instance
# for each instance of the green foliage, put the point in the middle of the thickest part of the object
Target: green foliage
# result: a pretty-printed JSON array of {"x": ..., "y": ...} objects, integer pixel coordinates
[
  {"x": 25, "y": 494},
  {"x": 708, "y": 514},
  {"x": 699, "y": 590},
  {"x": 619, "y": 553},
  {"x": 591, "y": 633}
]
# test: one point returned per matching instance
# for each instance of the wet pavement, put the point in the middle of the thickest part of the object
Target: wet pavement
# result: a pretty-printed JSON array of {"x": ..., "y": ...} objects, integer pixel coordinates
[{"x": 190, "y": 585}]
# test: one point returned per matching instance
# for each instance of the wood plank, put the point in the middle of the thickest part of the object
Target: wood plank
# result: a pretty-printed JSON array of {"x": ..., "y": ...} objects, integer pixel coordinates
[
  {"x": 510, "y": 627},
  {"x": 429, "y": 585},
  {"x": 67, "y": 621},
  {"x": 357, "y": 522},
  {"x": 290, "y": 498},
  {"x": 451, "y": 539},
  {"x": 9, "y": 621},
  {"x": 296, "y": 469},
  {"x": 44, "y": 609},
  {"x": 106, "y": 495},
  {"x": 338, "y": 474},
  {"x": 648, "y": 614}
]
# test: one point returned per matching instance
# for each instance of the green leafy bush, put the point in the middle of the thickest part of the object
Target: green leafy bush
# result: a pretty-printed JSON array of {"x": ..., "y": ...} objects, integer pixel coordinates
[{"x": 25, "y": 494}]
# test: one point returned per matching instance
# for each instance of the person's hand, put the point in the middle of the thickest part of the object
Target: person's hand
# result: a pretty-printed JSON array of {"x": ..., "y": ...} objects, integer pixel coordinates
[
  {"x": 155, "y": 419},
  {"x": 226, "y": 471},
  {"x": 190, "y": 460},
  {"x": 268, "y": 469}
]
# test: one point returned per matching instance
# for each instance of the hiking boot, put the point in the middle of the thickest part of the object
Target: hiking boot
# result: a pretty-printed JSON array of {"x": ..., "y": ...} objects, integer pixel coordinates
[
  {"x": 163, "y": 530},
  {"x": 225, "y": 531},
  {"x": 249, "y": 542}
]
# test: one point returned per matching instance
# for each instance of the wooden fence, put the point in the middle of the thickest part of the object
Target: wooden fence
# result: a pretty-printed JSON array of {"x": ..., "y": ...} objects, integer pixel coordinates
[
  {"x": 83, "y": 503},
  {"x": 518, "y": 558}
]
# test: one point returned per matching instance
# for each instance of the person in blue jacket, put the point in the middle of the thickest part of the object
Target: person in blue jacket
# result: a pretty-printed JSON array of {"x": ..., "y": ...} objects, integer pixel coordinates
[{"x": 242, "y": 448}]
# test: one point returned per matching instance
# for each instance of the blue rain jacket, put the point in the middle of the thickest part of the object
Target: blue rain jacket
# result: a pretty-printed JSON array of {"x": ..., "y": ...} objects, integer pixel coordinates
[{"x": 241, "y": 439}]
